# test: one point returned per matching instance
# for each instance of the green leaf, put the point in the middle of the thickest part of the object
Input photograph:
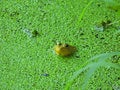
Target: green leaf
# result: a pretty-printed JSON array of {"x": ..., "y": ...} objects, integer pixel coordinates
[
  {"x": 89, "y": 74},
  {"x": 93, "y": 67},
  {"x": 109, "y": 64},
  {"x": 83, "y": 12}
]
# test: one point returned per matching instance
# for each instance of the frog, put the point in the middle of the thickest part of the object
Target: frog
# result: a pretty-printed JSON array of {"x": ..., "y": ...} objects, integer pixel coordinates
[{"x": 64, "y": 49}]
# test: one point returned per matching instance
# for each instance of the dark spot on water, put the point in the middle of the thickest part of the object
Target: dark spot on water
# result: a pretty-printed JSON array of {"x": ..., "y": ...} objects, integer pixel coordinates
[
  {"x": 15, "y": 13},
  {"x": 102, "y": 38},
  {"x": 45, "y": 74},
  {"x": 81, "y": 34},
  {"x": 118, "y": 78},
  {"x": 35, "y": 33},
  {"x": 98, "y": 4},
  {"x": 77, "y": 56},
  {"x": 106, "y": 24},
  {"x": 85, "y": 46},
  {"x": 115, "y": 59},
  {"x": 96, "y": 35}
]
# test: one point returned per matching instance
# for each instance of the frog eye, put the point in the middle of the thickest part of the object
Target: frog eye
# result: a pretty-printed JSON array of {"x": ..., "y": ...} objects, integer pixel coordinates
[
  {"x": 59, "y": 44},
  {"x": 66, "y": 45}
]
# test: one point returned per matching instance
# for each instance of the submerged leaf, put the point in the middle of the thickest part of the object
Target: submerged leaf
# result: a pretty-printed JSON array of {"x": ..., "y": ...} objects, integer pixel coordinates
[
  {"x": 31, "y": 34},
  {"x": 99, "y": 28},
  {"x": 103, "y": 25},
  {"x": 27, "y": 32}
]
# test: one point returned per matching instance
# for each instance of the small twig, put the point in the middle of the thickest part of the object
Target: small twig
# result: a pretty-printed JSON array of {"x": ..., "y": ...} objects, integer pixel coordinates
[{"x": 114, "y": 22}]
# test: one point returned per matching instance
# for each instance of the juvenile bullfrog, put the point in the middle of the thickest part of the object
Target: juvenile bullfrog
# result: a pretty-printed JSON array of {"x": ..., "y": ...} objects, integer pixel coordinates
[{"x": 64, "y": 49}]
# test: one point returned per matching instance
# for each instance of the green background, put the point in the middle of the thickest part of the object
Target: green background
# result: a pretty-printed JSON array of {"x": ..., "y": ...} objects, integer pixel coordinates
[{"x": 30, "y": 63}]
